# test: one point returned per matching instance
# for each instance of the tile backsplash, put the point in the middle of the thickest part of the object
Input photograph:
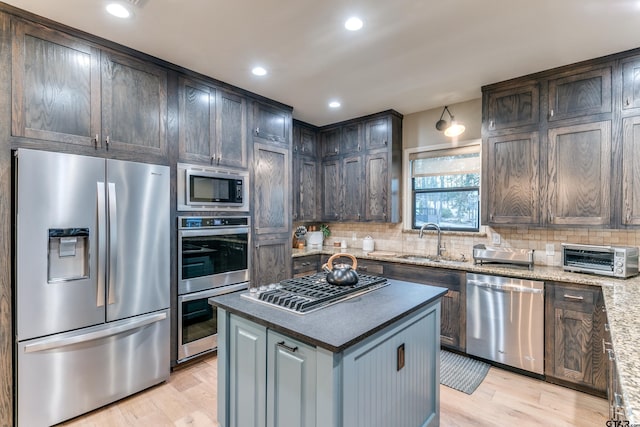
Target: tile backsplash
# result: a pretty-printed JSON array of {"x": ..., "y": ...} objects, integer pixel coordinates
[{"x": 391, "y": 237}]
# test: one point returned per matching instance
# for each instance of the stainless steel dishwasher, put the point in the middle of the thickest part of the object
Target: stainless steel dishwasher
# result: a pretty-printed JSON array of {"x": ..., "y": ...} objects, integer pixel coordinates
[{"x": 505, "y": 321}]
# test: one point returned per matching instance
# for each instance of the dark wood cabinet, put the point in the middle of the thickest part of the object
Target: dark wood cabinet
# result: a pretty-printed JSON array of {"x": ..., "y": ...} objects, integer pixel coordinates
[
  {"x": 271, "y": 194},
  {"x": 306, "y": 173},
  {"x": 574, "y": 331},
  {"x": 511, "y": 175},
  {"x": 212, "y": 125},
  {"x": 631, "y": 83},
  {"x": 513, "y": 107},
  {"x": 359, "y": 171},
  {"x": 305, "y": 265},
  {"x": 134, "y": 104},
  {"x": 352, "y": 179},
  {"x": 55, "y": 86},
  {"x": 271, "y": 261},
  {"x": 271, "y": 189},
  {"x": 67, "y": 90},
  {"x": 631, "y": 171},
  {"x": 580, "y": 93},
  {"x": 552, "y": 168},
  {"x": 579, "y": 174},
  {"x": 271, "y": 124}
]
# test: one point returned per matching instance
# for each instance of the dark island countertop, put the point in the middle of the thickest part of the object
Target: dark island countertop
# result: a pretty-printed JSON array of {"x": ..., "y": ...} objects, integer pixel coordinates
[{"x": 339, "y": 326}]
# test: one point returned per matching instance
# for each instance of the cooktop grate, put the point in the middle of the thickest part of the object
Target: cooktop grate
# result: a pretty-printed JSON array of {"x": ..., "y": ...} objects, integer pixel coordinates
[{"x": 309, "y": 293}]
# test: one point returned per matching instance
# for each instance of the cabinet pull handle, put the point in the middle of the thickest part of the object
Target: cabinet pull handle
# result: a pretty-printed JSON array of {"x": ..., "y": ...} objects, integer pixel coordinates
[
  {"x": 627, "y": 102},
  {"x": 386, "y": 142},
  {"x": 286, "y": 347},
  {"x": 551, "y": 113},
  {"x": 574, "y": 297},
  {"x": 107, "y": 142},
  {"x": 606, "y": 327},
  {"x": 492, "y": 124},
  {"x": 400, "y": 357},
  {"x": 95, "y": 141},
  {"x": 257, "y": 131}
]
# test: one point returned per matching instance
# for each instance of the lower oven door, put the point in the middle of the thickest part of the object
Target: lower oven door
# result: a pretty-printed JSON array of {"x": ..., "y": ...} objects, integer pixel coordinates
[{"x": 198, "y": 321}]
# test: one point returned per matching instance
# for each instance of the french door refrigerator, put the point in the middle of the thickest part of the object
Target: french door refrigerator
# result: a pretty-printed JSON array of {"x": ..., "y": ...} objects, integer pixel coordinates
[{"x": 91, "y": 282}]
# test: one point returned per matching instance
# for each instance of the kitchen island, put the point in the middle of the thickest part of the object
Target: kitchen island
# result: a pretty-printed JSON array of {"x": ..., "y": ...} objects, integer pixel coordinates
[{"x": 372, "y": 360}]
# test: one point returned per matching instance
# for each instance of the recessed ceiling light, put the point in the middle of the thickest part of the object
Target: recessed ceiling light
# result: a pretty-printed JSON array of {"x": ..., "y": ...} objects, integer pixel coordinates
[
  {"x": 118, "y": 10},
  {"x": 259, "y": 71},
  {"x": 353, "y": 24},
  {"x": 334, "y": 104}
]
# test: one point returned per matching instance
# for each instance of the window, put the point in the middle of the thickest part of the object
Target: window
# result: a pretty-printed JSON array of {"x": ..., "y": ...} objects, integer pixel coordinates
[{"x": 445, "y": 188}]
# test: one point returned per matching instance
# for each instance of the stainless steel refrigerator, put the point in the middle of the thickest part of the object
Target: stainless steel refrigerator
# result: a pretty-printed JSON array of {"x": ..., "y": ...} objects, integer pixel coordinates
[{"x": 91, "y": 282}]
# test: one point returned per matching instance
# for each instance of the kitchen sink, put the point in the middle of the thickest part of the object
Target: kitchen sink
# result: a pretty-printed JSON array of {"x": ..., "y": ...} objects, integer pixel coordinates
[{"x": 418, "y": 258}]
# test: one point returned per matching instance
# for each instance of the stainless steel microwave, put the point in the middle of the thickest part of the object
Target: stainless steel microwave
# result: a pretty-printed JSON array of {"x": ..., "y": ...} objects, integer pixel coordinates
[
  {"x": 614, "y": 261},
  {"x": 202, "y": 188}
]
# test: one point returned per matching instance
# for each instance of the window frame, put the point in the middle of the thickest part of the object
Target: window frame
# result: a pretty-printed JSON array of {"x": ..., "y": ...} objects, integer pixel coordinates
[{"x": 409, "y": 201}]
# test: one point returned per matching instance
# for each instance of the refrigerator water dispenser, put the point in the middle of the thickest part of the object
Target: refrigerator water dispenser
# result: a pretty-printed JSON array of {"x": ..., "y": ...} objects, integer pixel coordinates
[{"x": 68, "y": 254}]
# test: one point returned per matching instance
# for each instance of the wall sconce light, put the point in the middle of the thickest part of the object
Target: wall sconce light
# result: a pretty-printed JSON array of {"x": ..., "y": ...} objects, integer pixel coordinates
[{"x": 450, "y": 129}]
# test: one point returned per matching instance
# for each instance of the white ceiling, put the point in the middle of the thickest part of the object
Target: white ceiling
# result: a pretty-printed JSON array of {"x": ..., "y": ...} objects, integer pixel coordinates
[{"x": 411, "y": 55}]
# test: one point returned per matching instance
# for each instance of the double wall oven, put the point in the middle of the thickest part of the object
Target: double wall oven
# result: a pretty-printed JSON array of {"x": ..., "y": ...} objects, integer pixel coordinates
[{"x": 213, "y": 259}]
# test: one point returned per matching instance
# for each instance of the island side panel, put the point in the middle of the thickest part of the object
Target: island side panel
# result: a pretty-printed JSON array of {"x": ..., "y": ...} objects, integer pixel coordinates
[
  {"x": 393, "y": 378},
  {"x": 223, "y": 365},
  {"x": 329, "y": 392}
]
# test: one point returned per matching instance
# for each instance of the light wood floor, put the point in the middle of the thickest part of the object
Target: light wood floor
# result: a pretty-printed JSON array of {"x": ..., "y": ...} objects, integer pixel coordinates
[{"x": 503, "y": 399}]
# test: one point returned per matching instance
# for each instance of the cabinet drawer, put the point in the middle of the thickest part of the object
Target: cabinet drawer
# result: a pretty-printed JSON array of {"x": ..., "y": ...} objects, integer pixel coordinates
[
  {"x": 574, "y": 295},
  {"x": 306, "y": 265}
]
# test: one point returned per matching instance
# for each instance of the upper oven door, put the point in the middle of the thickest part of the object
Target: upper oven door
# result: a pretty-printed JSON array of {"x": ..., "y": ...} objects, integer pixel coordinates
[{"x": 212, "y": 258}]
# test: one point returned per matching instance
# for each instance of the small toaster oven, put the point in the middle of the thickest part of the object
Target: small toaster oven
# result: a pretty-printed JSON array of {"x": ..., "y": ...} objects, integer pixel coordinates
[{"x": 614, "y": 261}]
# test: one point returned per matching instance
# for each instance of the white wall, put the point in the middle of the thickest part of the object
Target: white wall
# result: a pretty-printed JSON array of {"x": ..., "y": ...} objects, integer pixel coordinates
[{"x": 419, "y": 129}]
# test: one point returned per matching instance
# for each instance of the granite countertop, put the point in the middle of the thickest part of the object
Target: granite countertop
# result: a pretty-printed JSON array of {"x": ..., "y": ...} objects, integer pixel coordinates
[
  {"x": 339, "y": 326},
  {"x": 621, "y": 298}
]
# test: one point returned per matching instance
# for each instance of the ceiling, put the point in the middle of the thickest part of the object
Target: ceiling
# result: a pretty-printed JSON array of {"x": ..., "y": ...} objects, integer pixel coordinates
[{"x": 411, "y": 55}]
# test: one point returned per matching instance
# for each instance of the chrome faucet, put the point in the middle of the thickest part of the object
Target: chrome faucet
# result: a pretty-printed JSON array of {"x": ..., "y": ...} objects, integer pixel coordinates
[{"x": 437, "y": 228}]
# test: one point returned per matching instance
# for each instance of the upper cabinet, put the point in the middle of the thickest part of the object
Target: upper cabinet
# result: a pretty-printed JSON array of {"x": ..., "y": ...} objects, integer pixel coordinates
[
  {"x": 582, "y": 93},
  {"x": 306, "y": 172},
  {"x": 361, "y": 169},
  {"x": 271, "y": 124},
  {"x": 212, "y": 126},
  {"x": 55, "y": 86},
  {"x": 67, "y": 90},
  {"x": 553, "y": 168},
  {"x": 513, "y": 107}
]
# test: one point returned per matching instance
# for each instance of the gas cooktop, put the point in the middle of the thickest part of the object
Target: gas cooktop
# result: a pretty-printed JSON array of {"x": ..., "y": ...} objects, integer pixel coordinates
[{"x": 309, "y": 293}]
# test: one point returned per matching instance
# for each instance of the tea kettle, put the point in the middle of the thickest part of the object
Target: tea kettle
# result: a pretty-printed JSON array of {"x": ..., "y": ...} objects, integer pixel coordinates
[{"x": 341, "y": 274}]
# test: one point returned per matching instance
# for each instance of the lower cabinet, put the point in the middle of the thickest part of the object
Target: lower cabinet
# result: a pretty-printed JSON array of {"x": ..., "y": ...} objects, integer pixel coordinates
[
  {"x": 575, "y": 319},
  {"x": 269, "y": 379},
  {"x": 305, "y": 265}
]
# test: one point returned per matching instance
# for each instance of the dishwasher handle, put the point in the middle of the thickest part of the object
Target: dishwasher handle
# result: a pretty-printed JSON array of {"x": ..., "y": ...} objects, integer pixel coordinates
[{"x": 505, "y": 287}]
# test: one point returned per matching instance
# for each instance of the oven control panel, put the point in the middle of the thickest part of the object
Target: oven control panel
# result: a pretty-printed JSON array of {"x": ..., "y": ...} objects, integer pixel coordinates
[{"x": 211, "y": 221}]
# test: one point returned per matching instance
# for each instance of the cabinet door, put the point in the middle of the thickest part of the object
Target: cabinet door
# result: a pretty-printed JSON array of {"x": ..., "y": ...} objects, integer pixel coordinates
[
  {"x": 271, "y": 261},
  {"x": 376, "y": 133},
  {"x": 271, "y": 189},
  {"x": 271, "y": 124},
  {"x": 247, "y": 376},
  {"x": 134, "y": 104},
  {"x": 513, "y": 107},
  {"x": 511, "y": 177},
  {"x": 351, "y": 138},
  {"x": 308, "y": 142},
  {"x": 291, "y": 384},
  {"x": 197, "y": 106},
  {"x": 580, "y": 94},
  {"x": 377, "y": 187},
  {"x": 579, "y": 171},
  {"x": 305, "y": 265},
  {"x": 331, "y": 190},
  {"x": 352, "y": 175},
  {"x": 55, "y": 86},
  {"x": 231, "y": 133},
  {"x": 393, "y": 379},
  {"x": 575, "y": 327},
  {"x": 631, "y": 83},
  {"x": 631, "y": 171},
  {"x": 308, "y": 190},
  {"x": 331, "y": 141}
]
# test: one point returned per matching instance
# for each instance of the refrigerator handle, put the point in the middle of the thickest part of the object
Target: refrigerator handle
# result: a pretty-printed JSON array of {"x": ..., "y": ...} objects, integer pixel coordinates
[
  {"x": 102, "y": 244},
  {"x": 81, "y": 337},
  {"x": 113, "y": 243}
]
